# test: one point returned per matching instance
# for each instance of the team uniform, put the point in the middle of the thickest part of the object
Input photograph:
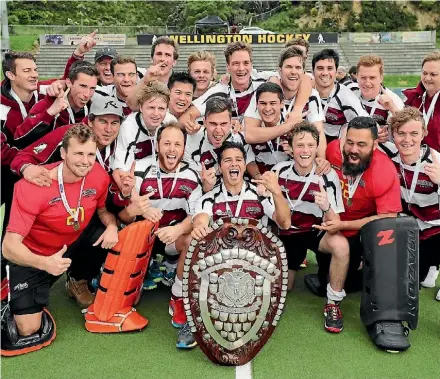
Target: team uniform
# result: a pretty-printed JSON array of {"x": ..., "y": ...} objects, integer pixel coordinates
[
  {"x": 134, "y": 142},
  {"x": 420, "y": 200},
  {"x": 199, "y": 150},
  {"x": 240, "y": 100},
  {"x": 270, "y": 153},
  {"x": 47, "y": 227},
  {"x": 372, "y": 196},
  {"x": 377, "y": 111},
  {"x": 299, "y": 191},
  {"x": 39, "y": 122},
  {"x": 174, "y": 193},
  {"x": 219, "y": 203},
  {"x": 339, "y": 109},
  {"x": 430, "y": 108}
]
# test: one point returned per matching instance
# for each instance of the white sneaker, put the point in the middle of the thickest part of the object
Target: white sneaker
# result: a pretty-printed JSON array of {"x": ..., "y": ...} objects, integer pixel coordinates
[
  {"x": 438, "y": 295},
  {"x": 430, "y": 279}
]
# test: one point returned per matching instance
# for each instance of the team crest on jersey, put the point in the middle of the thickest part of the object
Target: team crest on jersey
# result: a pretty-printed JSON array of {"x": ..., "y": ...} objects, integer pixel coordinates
[
  {"x": 219, "y": 212},
  {"x": 137, "y": 151},
  {"x": 150, "y": 189},
  {"x": 184, "y": 188},
  {"x": 331, "y": 116},
  {"x": 89, "y": 192},
  {"x": 253, "y": 210},
  {"x": 54, "y": 200},
  {"x": 260, "y": 147},
  {"x": 208, "y": 161},
  {"x": 378, "y": 118},
  {"x": 38, "y": 149}
]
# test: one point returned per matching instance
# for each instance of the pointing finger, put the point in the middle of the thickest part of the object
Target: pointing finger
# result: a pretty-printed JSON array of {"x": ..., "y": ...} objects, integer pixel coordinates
[{"x": 133, "y": 165}]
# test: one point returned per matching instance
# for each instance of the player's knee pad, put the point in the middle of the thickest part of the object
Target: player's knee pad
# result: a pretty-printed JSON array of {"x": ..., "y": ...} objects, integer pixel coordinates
[
  {"x": 390, "y": 293},
  {"x": 121, "y": 282},
  {"x": 12, "y": 343}
]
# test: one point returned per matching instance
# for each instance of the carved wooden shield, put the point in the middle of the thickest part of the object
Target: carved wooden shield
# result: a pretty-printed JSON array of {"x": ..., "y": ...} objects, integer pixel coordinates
[{"x": 234, "y": 289}]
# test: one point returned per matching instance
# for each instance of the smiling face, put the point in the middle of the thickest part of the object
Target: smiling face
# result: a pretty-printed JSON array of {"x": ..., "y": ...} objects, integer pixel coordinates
[
  {"x": 125, "y": 78},
  {"x": 431, "y": 76},
  {"x": 79, "y": 158},
  {"x": 218, "y": 127},
  {"x": 170, "y": 148},
  {"x": 202, "y": 72},
  {"x": 291, "y": 73},
  {"x": 357, "y": 151},
  {"x": 180, "y": 98},
  {"x": 81, "y": 90},
  {"x": 164, "y": 54},
  {"x": 105, "y": 74},
  {"x": 232, "y": 166},
  {"x": 408, "y": 139},
  {"x": 269, "y": 107},
  {"x": 325, "y": 73},
  {"x": 26, "y": 75},
  {"x": 106, "y": 128},
  {"x": 240, "y": 67},
  {"x": 305, "y": 148},
  {"x": 153, "y": 112},
  {"x": 370, "y": 81}
]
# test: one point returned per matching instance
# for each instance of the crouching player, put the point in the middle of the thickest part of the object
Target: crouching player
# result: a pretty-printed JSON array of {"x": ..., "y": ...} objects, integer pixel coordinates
[
  {"x": 232, "y": 197},
  {"x": 313, "y": 199},
  {"x": 39, "y": 233}
]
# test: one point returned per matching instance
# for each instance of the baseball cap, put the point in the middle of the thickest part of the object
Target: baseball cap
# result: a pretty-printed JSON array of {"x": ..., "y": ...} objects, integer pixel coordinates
[
  {"x": 105, "y": 52},
  {"x": 103, "y": 105}
]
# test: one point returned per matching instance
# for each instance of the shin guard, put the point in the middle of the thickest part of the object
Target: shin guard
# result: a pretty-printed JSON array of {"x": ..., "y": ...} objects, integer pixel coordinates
[
  {"x": 121, "y": 282},
  {"x": 390, "y": 293},
  {"x": 14, "y": 344}
]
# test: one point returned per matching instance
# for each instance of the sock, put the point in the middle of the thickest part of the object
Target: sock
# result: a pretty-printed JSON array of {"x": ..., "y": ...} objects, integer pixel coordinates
[
  {"x": 334, "y": 296},
  {"x": 176, "y": 289}
]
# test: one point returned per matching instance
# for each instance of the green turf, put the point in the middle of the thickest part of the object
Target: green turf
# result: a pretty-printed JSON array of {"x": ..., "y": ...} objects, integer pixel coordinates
[
  {"x": 299, "y": 348},
  {"x": 399, "y": 81}
]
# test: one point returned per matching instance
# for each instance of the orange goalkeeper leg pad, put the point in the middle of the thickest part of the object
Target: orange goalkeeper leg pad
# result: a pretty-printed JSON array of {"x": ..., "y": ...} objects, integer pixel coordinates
[{"x": 121, "y": 282}]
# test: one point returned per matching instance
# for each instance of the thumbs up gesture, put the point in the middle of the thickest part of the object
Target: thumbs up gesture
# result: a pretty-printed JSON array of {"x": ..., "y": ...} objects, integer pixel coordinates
[
  {"x": 55, "y": 264},
  {"x": 433, "y": 169},
  {"x": 321, "y": 197}
]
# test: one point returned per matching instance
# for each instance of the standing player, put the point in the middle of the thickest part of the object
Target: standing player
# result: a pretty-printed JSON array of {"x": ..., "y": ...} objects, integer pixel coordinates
[
  {"x": 425, "y": 97},
  {"x": 233, "y": 197},
  {"x": 40, "y": 231},
  {"x": 340, "y": 105},
  {"x": 418, "y": 167},
  {"x": 313, "y": 199}
]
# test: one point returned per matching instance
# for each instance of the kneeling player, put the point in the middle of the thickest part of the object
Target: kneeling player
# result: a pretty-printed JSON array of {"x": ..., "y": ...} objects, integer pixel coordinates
[
  {"x": 40, "y": 231},
  {"x": 313, "y": 199},
  {"x": 418, "y": 167},
  {"x": 234, "y": 197}
]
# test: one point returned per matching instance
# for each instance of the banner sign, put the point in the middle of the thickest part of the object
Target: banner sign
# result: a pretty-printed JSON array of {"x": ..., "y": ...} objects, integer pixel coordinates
[
  {"x": 73, "y": 39},
  {"x": 391, "y": 37},
  {"x": 195, "y": 39}
]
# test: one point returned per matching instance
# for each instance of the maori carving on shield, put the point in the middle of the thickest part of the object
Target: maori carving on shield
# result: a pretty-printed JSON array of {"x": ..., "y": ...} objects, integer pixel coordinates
[{"x": 234, "y": 289}]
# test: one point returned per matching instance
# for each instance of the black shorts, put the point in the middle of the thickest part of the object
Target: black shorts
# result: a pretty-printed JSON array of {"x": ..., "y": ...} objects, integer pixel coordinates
[
  {"x": 297, "y": 244},
  {"x": 29, "y": 288}
]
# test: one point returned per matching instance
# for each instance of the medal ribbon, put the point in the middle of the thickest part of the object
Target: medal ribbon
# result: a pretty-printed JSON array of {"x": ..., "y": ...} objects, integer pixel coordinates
[
  {"x": 304, "y": 189},
  {"x": 159, "y": 181},
  {"x": 23, "y": 110},
  {"x": 427, "y": 116},
  {"x": 240, "y": 200},
  {"x": 74, "y": 215},
  {"x": 352, "y": 186},
  {"x": 102, "y": 161}
]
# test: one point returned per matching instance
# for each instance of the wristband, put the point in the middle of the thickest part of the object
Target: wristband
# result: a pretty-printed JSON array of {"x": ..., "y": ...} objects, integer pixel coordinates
[
  {"x": 328, "y": 209},
  {"x": 128, "y": 197},
  {"x": 24, "y": 167}
]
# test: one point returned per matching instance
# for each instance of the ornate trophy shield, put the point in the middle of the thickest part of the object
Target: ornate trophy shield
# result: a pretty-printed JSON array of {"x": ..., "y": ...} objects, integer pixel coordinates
[{"x": 234, "y": 288}]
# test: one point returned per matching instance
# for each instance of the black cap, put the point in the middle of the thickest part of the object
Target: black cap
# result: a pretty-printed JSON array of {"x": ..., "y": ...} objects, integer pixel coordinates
[{"x": 105, "y": 52}]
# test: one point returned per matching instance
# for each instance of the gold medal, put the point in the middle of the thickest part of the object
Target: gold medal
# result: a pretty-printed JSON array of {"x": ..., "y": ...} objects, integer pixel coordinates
[
  {"x": 349, "y": 202},
  {"x": 76, "y": 226}
]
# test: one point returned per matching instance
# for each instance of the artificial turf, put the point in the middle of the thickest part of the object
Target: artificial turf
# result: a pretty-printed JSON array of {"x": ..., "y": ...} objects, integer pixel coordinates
[{"x": 299, "y": 347}]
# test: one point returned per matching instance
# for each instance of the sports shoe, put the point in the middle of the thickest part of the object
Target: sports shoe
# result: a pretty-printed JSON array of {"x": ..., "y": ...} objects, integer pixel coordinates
[
  {"x": 438, "y": 295},
  {"x": 169, "y": 272},
  {"x": 185, "y": 338},
  {"x": 431, "y": 277},
  {"x": 304, "y": 264},
  {"x": 177, "y": 311},
  {"x": 79, "y": 290},
  {"x": 154, "y": 272},
  {"x": 149, "y": 283},
  {"x": 334, "y": 322}
]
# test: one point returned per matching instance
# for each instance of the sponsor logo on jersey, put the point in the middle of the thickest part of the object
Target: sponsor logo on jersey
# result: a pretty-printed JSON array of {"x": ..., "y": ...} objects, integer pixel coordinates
[
  {"x": 208, "y": 161},
  {"x": 150, "y": 189},
  {"x": 260, "y": 147},
  {"x": 253, "y": 209},
  {"x": 219, "y": 212},
  {"x": 184, "y": 188},
  {"x": 38, "y": 149},
  {"x": 137, "y": 151},
  {"x": 425, "y": 183},
  {"x": 89, "y": 192},
  {"x": 331, "y": 116},
  {"x": 54, "y": 200}
]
